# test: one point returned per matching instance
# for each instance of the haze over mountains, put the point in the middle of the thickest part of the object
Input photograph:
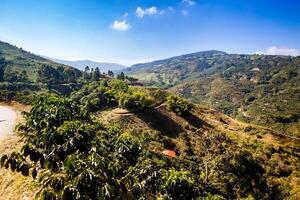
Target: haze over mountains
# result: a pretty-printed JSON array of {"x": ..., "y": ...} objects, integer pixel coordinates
[{"x": 81, "y": 64}]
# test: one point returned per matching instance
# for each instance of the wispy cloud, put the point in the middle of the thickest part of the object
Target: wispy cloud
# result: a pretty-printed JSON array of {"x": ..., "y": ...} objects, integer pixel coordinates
[
  {"x": 142, "y": 12},
  {"x": 125, "y": 15},
  {"x": 285, "y": 51},
  {"x": 122, "y": 25},
  {"x": 188, "y": 2}
]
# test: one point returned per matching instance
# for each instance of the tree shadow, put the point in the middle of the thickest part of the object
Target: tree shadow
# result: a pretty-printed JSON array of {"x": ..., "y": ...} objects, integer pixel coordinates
[
  {"x": 195, "y": 121},
  {"x": 161, "y": 122}
]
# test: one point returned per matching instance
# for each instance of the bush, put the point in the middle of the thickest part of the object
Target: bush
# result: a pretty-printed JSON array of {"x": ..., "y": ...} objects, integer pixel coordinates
[
  {"x": 135, "y": 101},
  {"x": 179, "y": 105},
  {"x": 179, "y": 185}
]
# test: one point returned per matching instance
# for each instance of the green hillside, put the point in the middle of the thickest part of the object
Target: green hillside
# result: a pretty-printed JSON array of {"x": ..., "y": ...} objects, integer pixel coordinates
[
  {"x": 112, "y": 141},
  {"x": 17, "y": 65},
  {"x": 254, "y": 88}
]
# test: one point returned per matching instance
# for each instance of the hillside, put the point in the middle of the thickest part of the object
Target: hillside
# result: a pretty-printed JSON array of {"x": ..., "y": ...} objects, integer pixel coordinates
[
  {"x": 254, "y": 88},
  {"x": 18, "y": 65},
  {"x": 114, "y": 141}
]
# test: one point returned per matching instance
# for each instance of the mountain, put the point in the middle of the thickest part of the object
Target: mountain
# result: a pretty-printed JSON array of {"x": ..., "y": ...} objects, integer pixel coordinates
[
  {"x": 81, "y": 64},
  {"x": 259, "y": 89},
  {"x": 18, "y": 65}
]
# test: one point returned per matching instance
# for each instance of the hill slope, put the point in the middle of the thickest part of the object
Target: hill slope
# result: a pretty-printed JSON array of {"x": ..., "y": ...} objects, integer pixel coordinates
[
  {"x": 255, "y": 88},
  {"x": 17, "y": 65},
  {"x": 114, "y": 153}
]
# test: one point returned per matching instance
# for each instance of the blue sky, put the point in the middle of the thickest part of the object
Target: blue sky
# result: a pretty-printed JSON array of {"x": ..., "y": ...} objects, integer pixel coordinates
[{"x": 131, "y": 31}]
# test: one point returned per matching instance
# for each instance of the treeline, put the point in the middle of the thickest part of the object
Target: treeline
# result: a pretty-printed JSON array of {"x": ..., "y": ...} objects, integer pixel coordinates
[
  {"x": 50, "y": 75},
  {"x": 110, "y": 93}
]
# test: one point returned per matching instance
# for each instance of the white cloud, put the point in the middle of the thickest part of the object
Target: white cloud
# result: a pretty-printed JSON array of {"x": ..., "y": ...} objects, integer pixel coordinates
[
  {"x": 140, "y": 12},
  {"x": 189, "y": 2},
  {"x": 285, "y": 51},
  {"x": 120, "y": 25}
]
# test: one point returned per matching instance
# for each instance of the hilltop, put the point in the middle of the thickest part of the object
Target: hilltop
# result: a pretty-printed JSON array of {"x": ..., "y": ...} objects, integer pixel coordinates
[{"x": 254, "y": 88}]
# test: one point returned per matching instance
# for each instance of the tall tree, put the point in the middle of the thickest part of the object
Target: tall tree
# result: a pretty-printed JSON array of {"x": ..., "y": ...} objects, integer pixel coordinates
[
  {"x": 1, "y": 72},
  {"x": 86, "y": 73},
  {"x": 110, "y": 73},
  {"x": 96, "y": 74},
  {"x": 121, "y": 76}
]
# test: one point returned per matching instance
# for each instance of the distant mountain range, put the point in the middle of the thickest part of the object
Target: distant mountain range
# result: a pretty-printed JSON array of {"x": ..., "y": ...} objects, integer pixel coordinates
[{"x": 81, "y": 64}]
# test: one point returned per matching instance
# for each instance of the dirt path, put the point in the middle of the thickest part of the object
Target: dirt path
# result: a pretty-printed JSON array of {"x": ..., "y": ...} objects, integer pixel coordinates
[{"x": 8, "y": 119}]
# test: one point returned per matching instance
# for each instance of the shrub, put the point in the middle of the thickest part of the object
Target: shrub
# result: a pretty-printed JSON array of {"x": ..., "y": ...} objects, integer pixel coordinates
[
  {"x": 179, "y": 105},
  {"x": 135, "y": 100},
  {"x": 179, "y": 184}
]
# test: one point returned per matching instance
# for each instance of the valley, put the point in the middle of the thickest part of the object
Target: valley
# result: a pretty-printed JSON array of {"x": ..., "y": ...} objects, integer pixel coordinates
[{"x": 72, "y": 126}]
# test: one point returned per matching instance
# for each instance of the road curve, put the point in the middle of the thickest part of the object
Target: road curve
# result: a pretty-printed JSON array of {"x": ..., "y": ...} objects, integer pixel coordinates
[{"x": 7, "y": 121}]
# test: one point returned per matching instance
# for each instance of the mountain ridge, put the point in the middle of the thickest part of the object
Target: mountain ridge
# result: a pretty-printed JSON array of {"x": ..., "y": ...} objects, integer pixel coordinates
[
  {"x": 239, "y": 85},
  {"x": 81, "y": 64}
]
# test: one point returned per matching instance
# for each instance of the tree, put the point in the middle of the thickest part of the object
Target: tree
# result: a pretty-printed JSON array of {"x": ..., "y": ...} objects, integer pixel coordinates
[
  {"x": 10, "y": 76},
  {"x": 121, "y": 76},
  {"x": 131, "y": 79},
  {"x": 48, "y": 75},
  {"x": 96, "y": 74},
  {"x": 1, "y": 72},
  {"x": 69, "y": 75},
  {"x": 110, "y": 73},
  {"x": 23, "y": 76},
  {"x": 86, "y": 74}
]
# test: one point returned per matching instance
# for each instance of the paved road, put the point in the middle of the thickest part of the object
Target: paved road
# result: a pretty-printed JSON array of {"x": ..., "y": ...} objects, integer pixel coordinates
[{"x": 7, "y": 121}]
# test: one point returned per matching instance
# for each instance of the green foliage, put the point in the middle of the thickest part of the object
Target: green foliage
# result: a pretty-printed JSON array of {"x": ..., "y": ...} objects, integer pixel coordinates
[
  {"x": 179, "y": 184},
  {"x": 179, "y": 105},
  {"x": 96, "y": 74},
  {"x": 135, "y": 100},
  {"x": 254, "y": 88},
  {"x": 121, "y": 76},
  {"x": 74, "y": 157},
  {"x": 87, "y": 74},
  {"x": 17, "y": 65},
  {"x": 96, "y": 95},
  {"x": 110, "y": 73}
]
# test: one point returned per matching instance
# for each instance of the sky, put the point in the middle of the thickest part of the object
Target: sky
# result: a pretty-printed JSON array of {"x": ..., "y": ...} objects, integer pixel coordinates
[{"x": 133, "y": 31}]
